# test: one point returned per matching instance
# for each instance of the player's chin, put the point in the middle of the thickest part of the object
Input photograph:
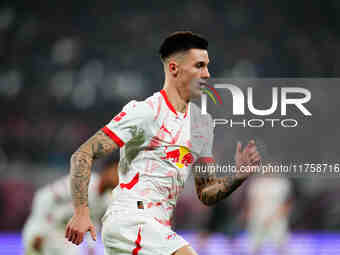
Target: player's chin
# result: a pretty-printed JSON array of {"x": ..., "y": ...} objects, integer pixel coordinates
[{"x": 195, "y": 93}]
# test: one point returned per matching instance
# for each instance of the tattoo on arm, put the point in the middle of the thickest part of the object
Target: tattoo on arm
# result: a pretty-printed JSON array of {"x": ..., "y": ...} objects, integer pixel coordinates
[
  {"x": 80, "y": 177},
  {"x": 101, "y": 145},
  {"x": 210, "y": 188},
  {"x": 97, "y": 146}
]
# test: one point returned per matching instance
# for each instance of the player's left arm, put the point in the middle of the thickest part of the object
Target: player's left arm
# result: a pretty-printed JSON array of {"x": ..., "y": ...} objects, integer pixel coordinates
[{"x": 210, "y": 188}]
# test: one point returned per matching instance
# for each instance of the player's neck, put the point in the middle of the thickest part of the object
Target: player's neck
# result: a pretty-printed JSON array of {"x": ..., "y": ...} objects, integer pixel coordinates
[{"x": 174, "y": 96}]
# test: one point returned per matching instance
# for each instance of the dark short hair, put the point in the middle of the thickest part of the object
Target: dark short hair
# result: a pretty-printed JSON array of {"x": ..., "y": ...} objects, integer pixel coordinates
[{"x": 181, "y": 41}]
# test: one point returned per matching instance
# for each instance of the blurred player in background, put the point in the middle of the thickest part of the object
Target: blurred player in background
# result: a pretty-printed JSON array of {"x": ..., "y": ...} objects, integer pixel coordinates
[
  {"x": 226, "y": 219},
  {"x": 43, "y": 233},
  {"x": 268, "y": 208},
  {"x": 160, "y": 139}
]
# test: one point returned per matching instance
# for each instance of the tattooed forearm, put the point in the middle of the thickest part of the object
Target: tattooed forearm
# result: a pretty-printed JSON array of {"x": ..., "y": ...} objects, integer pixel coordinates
[
  {"x": 81, "y": 162},
  {"x": 80, "y": 177},
  {"x": 211, "y": 189}
]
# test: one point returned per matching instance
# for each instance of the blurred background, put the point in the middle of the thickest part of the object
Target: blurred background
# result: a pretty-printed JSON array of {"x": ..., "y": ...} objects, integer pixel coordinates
[{"x": 67, "y": 67}]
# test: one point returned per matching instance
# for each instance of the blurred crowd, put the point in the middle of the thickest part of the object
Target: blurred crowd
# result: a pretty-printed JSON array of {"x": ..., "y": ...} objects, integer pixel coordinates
[{"x": 66, "y": 68}]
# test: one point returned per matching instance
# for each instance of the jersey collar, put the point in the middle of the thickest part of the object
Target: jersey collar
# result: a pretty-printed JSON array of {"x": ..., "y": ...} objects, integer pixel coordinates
[{"x": 171, "y": 107}]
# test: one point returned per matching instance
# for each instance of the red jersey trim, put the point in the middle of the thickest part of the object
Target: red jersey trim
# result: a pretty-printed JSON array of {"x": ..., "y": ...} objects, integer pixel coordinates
[
  {"x": 131, "y": 184},
  {"x": 113, "y": 136},
  {"x": 166, "y": 223},
  {"x": 206, "y": 160},
  {"x": 137, "y": 242},
  {"x": 171, "y": 107},
  {"x": 186, "y": 111}
]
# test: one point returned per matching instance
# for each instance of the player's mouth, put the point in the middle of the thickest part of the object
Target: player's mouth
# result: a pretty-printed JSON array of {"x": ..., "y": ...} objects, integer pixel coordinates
[{"x": 202, "y": 84}]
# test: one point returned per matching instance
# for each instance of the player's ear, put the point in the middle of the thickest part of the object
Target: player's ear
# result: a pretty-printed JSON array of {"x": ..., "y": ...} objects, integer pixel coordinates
[{"x": 173, "y": 68}]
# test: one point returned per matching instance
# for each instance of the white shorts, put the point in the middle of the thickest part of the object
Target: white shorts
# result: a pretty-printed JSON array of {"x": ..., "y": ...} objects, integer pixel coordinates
[{"x": 138, "y": 234}]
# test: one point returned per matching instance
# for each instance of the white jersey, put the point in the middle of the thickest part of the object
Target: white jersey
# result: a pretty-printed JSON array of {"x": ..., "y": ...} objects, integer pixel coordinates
[
  {"x": 52, "y": 208},
  {"x": 158, "y": 149}
]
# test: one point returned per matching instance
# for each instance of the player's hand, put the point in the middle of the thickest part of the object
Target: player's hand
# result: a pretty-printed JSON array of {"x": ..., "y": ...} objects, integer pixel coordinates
[
  {"x": 246, "y": 158},
  {"x": 78, "y": 225}
]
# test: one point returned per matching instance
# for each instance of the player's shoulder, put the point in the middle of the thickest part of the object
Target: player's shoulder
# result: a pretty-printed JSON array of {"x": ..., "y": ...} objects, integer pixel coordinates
[
  {"x": 146, "y": 107},
  {"x": 59, "y": 183},
  {"x": 154, "y": 101}
]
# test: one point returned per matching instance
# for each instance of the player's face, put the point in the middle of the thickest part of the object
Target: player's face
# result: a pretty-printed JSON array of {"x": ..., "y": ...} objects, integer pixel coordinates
[{"x": 193, "y": 72}]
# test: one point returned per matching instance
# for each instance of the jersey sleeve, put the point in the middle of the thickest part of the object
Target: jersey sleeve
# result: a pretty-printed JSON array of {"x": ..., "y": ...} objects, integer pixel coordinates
[
  {"x": 133, "y": 115},
  {"x": 206, "y": 152}
]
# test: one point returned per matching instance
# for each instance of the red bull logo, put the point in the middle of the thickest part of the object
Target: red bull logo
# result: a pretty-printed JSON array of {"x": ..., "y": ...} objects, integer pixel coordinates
[{"x": 181, "y": 157}]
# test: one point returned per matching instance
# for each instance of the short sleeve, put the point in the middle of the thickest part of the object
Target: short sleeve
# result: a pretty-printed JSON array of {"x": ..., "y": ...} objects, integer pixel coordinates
[
  {"x": 133, "y": 115},
  {"x": 206, "y": 152}
]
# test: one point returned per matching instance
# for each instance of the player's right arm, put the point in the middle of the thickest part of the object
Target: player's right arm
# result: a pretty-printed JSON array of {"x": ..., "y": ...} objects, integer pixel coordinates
[
  {"x": 97, "y": 146},
  {"x": 116, "y": 133}
]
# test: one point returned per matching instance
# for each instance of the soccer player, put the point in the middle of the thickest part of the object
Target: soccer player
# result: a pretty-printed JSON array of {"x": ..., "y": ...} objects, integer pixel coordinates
[
  {"x": 160, "y": 139},
  {"x": 52, "y": 207},
  {"x": 268, "y": 208}
]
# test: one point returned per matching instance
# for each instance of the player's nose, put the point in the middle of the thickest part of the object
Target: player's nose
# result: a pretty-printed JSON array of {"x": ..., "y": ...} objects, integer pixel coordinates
[{"x": 205, "y": 74}]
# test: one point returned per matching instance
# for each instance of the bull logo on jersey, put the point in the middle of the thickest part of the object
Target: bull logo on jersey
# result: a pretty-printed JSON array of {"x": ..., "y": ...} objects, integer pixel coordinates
[{"x": 181, "y": 156}]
